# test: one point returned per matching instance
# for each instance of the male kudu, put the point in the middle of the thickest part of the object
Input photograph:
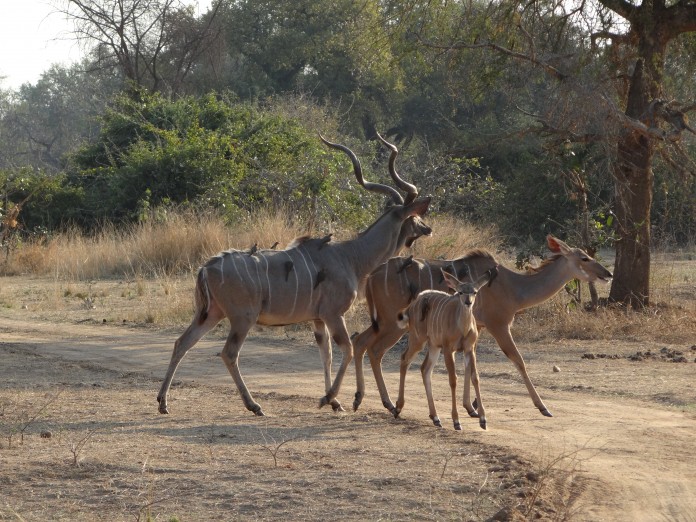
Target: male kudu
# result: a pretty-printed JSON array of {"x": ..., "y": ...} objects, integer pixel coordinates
[
  {"x": 393, "y": 285},
  {"x": 314, "y": 279}
]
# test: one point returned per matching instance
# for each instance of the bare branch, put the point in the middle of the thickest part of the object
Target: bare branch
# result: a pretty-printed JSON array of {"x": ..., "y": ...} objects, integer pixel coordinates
[
  {"x": 553, "y": 71},
  {"x": 153, "y": 42}
]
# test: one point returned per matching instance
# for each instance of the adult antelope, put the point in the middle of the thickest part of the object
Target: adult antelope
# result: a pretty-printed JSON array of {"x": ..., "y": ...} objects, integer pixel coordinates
[
  {"x": 446, "y": 322},
  {"x": 393, "y": 285},
  {"x": 312, "y": 280}
]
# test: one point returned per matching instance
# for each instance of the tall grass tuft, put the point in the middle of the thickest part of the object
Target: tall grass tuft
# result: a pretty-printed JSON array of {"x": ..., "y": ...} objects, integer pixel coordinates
[
  {"x": 453, "y": 237},
  {"x": 167, "y": 244}
]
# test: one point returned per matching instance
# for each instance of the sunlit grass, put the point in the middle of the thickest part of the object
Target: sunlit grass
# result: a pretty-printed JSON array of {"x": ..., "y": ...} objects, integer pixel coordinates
[{"x": 145, "y": 274}]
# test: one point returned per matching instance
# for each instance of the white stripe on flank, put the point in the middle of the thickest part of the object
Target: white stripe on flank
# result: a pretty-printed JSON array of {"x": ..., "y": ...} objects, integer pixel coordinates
[
  {"x": 246, "y": 267},
  {"x": 222, "y": 270},
  {"x": 311, "y": 286},
  {"x": 268, "y": 281},
  {"x": 386, "y": 274},
  {"x": 441, "y": 319},
  {"x": 430, "y": 273},
  {"x": 297, "y": 283},
  {"x": 234, "y": 265},
  {"x": 258, "y": 277},
  {"x": 433, "y": 320},
  {"x": 404, "y": 279}
]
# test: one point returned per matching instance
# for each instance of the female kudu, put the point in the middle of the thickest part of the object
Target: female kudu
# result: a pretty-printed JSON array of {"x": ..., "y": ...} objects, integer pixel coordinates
[
  {"x": 312, "y": 280},
  {"x": 396, "y": 283},
  {"x": 447, "y": 323}
]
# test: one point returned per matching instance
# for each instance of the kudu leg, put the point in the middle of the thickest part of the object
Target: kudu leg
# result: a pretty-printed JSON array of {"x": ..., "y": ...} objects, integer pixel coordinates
[
  {"x": 377, "y": 346},
  {"x": 183, "y": 344},
  {"x": 452, "y": 375},
  {"x": 470, "y": 409},
  {"x": 427, "y": 373},
  {"x": 339, "y": 333},
  {"x": 414, "y": 346},
  {"x": 230, "y": 356},
  {"x": 360, "y": 345},
  {"x": 321, "y": 334},
  {"x": 470, "y": 358},
  {"x": 507, "y": 344}
]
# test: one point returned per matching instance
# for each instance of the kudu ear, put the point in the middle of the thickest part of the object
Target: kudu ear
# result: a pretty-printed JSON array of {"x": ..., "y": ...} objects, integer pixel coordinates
[
  {"x": 452, "y": 282},
  {"x": 483, "y": 280},
  {"x": 417, "y": 208},
  {"x": 556, "y": 245}
]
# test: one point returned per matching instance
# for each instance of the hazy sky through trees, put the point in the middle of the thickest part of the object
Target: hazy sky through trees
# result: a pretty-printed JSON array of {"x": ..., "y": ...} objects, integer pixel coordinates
[{"x": 33, "y": 37}]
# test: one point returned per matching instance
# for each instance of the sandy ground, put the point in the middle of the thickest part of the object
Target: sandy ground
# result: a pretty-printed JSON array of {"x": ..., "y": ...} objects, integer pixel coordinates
[{"x": 81, "y": 438}]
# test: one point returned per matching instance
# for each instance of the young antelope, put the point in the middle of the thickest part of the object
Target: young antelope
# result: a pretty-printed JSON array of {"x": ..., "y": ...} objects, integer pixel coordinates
[{"x": 447, "y": 323}]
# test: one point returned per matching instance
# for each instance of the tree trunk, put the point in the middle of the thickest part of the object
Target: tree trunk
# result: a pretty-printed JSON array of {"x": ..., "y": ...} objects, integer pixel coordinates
[
  {"x": 633, "y": 183},
  {"x": 633, "y": 177}
]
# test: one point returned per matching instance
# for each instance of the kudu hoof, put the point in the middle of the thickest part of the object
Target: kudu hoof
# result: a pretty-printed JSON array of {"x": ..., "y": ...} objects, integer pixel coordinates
[
  {"x": 162, "y": 405},
  {"x": 325, "y": 401},
  {"x": 436, "y": 422},
  {"x": 473, "y": 413},
  {"x": 545, "y": 412},
  {"x": 357, "y": 401},
  {"x": 457, "y": 426},
  {"x": 336, "y": 406},
  {"x": 395, "y": 412},
  {"x": 482, "y": 423},
  {"x": 256, "y": 410}
]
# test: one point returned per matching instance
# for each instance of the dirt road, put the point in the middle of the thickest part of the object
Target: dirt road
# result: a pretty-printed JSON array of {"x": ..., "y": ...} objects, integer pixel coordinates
[{"x": 624, "y": 431}]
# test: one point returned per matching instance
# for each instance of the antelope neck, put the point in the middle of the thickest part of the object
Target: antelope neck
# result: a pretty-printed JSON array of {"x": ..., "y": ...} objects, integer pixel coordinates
[{"x": 532, "y": 289}]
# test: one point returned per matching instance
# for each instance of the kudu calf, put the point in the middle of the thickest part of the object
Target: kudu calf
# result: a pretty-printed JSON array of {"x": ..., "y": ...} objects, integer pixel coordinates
[
  {"x": 312, "y": 280},
  {"x": 396, "y": 283},
  {"x": 446, "y": 322}
]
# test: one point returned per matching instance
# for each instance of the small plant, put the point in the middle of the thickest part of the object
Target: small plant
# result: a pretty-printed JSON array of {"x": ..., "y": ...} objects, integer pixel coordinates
[
  {"x": 448, "y": 455},
  {"x": 16, "y": 420},
  {"x": 553, "y": 478},
  {"x": 272, "y": 446},
  {"x": 76, "y": 447}
]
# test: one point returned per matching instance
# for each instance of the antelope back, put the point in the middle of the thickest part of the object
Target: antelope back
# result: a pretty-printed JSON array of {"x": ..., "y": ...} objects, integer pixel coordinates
[
  {"x": 281, "y": 286},
  {"x": 396, "y": 283}
]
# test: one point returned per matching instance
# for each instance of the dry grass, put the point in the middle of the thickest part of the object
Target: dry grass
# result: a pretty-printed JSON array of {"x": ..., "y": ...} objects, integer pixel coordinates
[
  {"x": 143, "y": 274},
  {"x": 453, "y": 236},
  {"x": 175, "y": 243}
]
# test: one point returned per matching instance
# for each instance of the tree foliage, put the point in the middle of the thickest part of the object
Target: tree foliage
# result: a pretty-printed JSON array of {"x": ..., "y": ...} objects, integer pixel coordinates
[{"x": 212, "y": 151}]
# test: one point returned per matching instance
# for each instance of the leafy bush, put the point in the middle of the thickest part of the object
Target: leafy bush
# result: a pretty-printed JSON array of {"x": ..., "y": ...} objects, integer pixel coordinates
[{"x": 212, "y": 152}]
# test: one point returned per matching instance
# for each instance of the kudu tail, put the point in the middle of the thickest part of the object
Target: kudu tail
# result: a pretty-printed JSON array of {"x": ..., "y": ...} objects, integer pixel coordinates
[
  {"x": 402, "y": 319},
  {"x": 202, "y": 295},
  {"x": 372, "y": 309}
]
